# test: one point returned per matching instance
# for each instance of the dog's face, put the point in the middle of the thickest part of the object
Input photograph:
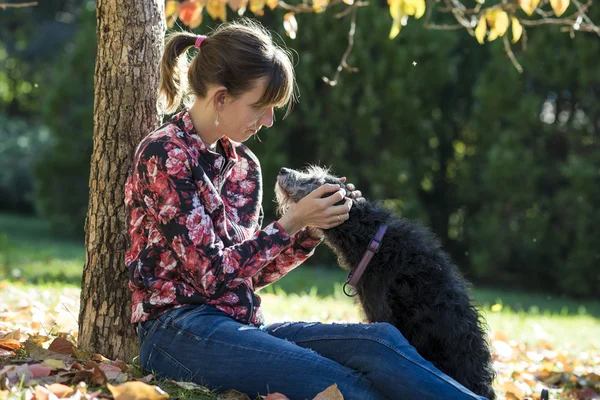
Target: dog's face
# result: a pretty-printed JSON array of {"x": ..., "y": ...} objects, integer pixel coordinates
[{"x": 294, "y": 185}]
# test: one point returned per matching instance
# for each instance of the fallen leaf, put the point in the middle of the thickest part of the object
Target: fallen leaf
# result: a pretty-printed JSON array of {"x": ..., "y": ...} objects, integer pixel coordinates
[
  {"x": 81, "y": 354},
  {"x": 189, "y": 386},
  {"x": 60, "y": 390},
  {"x": 54, "y": 364},
  {"x": 276, "y": 396},
  {"x": 233, "y": 394},
  {"x": 124, "y": 367},
  {"x": 39, "y": 370},
  {"x": 39, "y": 339},
  {"x": 38, "y": 353},
  {"x": 145, "y": 379},
  {"x": 11, "y": 335},
  {"x": 6, "y": 353},
  {"x": 10, "y": 344},
  {"x": 331, "y": 393},
  {"x": 137, "y": 391}
]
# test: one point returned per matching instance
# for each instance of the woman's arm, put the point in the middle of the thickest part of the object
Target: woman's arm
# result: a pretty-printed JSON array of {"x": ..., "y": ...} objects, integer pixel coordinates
[
  {"x": 163, "y": 180},
  {"x": 302, "y": 247}
]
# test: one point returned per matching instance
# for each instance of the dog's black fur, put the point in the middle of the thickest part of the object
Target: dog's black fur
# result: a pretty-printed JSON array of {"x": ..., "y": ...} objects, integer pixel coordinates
[{"x": 411, "y": 283}]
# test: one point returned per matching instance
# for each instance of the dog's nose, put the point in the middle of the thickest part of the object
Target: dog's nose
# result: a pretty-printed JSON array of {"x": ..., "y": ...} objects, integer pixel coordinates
[{"x": 284, "y": 171}]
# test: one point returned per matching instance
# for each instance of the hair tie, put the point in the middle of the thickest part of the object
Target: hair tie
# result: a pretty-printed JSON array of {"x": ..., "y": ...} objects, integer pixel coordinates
[{"x": 199, "y": 40}]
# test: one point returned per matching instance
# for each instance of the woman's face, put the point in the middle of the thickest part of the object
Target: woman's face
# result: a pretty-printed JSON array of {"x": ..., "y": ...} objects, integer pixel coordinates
[{"x": 239, "y": 120}]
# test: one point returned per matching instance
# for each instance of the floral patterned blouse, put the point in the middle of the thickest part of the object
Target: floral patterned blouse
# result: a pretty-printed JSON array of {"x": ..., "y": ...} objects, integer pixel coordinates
[{"x": 194, "y": 227}]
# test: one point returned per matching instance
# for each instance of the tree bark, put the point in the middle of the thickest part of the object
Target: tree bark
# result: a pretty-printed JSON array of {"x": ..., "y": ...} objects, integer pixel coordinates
[{"x": 130, "y": 43}]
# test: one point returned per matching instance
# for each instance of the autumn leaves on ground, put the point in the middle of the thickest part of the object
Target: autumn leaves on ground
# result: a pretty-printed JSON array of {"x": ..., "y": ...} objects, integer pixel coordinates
[{"x": 39, "y": 358}]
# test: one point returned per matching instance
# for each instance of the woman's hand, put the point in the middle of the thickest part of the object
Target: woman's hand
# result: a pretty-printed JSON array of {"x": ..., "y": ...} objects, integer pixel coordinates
[
  {"x": 315, "y": 211},
  {"x": 354, "y": 193}
]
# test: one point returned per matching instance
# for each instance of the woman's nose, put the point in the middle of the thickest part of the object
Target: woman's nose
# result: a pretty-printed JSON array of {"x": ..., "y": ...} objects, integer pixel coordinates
[{"x": 267, "y": 118}]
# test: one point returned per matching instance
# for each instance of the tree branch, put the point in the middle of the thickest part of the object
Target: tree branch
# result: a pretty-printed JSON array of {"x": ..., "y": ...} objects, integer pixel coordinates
[
  {"x": 343, "y": 64},
  {"x": 18, "y": 5}
]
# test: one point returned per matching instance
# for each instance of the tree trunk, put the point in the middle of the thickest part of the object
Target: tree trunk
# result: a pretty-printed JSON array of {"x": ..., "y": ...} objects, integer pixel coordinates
[{"x": 130, "y": 43}]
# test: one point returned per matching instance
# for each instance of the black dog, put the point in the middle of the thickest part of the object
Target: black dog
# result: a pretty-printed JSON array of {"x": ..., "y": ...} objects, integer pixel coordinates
[{"x": 410, "y": 282}]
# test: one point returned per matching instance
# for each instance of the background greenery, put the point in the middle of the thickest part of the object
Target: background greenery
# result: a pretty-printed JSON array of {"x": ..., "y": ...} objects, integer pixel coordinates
[{"x": 503, "y": 166}]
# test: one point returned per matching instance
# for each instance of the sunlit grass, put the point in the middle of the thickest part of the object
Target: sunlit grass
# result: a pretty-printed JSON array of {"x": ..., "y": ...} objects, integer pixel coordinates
[{"x": 42, "y": 267}]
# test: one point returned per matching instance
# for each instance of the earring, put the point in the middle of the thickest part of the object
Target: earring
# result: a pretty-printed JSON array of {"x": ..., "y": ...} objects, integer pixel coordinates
[{"x": 217, "y": 120}]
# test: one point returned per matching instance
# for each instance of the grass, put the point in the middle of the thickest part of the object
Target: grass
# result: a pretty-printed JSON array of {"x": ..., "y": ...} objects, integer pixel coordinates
[
  {"x": 30, "y": 250},
  {"x": 46, "y": 271}
]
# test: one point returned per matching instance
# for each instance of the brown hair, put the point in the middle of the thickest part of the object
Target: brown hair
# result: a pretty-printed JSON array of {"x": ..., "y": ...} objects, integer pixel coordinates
[{"x": 235, "y": 55}]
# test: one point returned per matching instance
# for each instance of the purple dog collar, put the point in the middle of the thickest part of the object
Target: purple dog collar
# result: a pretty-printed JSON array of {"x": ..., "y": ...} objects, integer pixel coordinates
[{"x": 372, "y": 249}]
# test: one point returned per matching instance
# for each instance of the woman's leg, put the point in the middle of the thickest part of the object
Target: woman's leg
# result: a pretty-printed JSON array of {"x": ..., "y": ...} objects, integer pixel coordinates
[
  {"x": 203, "y": 345},
  {"x": 380, "y": 353}
]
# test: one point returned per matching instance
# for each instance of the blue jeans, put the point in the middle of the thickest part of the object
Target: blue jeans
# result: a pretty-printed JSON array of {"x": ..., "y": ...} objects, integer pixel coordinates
[{"x": 367, "y": 361}]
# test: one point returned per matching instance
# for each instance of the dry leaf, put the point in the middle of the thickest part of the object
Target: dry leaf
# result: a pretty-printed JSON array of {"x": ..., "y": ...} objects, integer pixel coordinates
[
  {"x": 145, "y": 379},
  {"x": 137, "y": 391},
  {"x": 189, "y": 386},
  {"x": 6, "y": 353},
  {"x": 39, "y": 370},
  {"x": 276, "y": 396},
  {"x": 62, "y": 346},
  {"x": 38, "y": 353},
  {"x": 331, "y": 393},
  {"x": 81, "y": 354},
  {"x": 59, "y": 390},
  {"x": 11, "y": 335},
  {"x": 10, "y": 344},
  {"x": 233, "y": 394},
  {"x": 39, "y": 339}
]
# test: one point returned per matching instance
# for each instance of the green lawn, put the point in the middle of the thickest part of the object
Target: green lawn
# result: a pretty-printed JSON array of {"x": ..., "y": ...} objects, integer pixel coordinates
[
  {"x": 43, "y": 271},
  {"x": 31, "y": 253}
]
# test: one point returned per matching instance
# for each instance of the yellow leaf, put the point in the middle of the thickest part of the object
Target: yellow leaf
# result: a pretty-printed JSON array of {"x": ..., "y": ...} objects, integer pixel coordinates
[
  {"x": 396, "y": 9},
  {"x": 349, "y": 2},
  {"x": 257, "y": 7},
  {"x": 171, "y": 8},
  {"x": 396, "y": 26},
  {"x": 136, "y": 390},
  {"x": 290, "y": 25},
  {"x": 481, "y": 29},
  {"x": 416, "y": 8},
  {"x": 320, "y": 5},
  {"x": 331, "y": 393},
  {"x": 529, "y": 6},
  {"x": 559, "y": 6},
  {"x": 54, "y": 364},
  {"x": 517, "y": 29},
  {"x": 236, "y": 5},
  {"x": 216, "y": 9},
  {"x": 272, "y": 4},
  {"x": 197, "y": 19},
  {"x": 498, "y": 23},
  {"x": 188, "y": 12},
  {"x": 38, "y": 339}
]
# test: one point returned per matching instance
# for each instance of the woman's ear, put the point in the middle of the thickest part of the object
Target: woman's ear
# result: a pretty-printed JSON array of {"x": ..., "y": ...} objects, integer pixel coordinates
[{"x": 219, "y": 98}]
